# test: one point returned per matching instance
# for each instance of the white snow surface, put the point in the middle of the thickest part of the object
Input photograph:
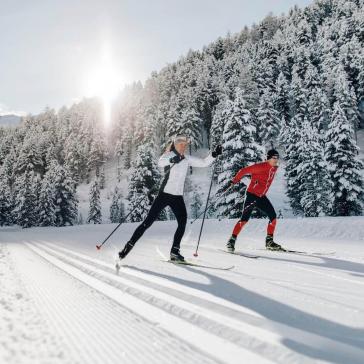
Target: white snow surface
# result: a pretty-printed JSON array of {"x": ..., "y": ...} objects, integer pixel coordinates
[{"x": 62, "y": 301}]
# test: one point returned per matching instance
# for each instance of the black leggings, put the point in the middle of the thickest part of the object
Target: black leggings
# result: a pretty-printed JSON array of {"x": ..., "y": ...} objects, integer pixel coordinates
[
  {"x": 177, "y": 204},
  {"x": 262, "y": 203}
]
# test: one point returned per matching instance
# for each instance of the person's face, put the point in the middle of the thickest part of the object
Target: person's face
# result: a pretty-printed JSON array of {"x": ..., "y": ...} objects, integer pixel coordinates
[
  {"x": 181, "y": 147},
  {"x": 274, "y": 161}
]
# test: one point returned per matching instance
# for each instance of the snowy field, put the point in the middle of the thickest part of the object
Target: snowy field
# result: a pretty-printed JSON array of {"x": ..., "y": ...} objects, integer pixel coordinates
[{"x": 62, "y": 302}]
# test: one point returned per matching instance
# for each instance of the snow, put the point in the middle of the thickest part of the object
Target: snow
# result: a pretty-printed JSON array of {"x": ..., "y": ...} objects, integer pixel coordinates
[{"x": 62, "y": 301}]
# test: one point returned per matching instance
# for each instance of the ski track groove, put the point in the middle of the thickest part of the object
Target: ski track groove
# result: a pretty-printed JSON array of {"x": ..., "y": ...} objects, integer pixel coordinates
[
  {"x": 284, "y": 285},
  {"x": 26, "y": 332},
  {"x": 256, "y": 345},
  {"x": 162, "y": 284},
  {"x": 315, "y": 271},
  {"x": 81, "y": 323},
  {"x": 241, "y": 339},
  {"x": 233, "y": 352}
]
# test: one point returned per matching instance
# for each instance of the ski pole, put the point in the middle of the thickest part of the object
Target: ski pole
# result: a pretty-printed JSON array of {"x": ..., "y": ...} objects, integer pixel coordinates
[
  {"x": 123, "y": 220},
  {"x": 211, "y": 203},
  {"x": 204, "y": 214},
  {"x": 98, "y": 247}
]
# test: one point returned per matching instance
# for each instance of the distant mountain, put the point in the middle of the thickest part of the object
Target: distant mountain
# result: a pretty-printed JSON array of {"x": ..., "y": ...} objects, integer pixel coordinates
[{"x": 9, "y": 120}]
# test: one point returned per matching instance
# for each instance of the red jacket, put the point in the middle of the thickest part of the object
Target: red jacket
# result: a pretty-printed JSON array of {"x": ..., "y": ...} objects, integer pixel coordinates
[{"x": 262, "y": 175}]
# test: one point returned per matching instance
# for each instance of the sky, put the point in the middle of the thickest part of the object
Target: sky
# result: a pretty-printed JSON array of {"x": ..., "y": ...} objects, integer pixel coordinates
[{"x": 54, "y": 52}]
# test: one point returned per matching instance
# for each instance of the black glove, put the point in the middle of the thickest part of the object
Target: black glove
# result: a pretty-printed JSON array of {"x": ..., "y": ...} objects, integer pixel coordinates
[
  {"x": 177, "y": 158},
  {"x": 217, "y": 151}
]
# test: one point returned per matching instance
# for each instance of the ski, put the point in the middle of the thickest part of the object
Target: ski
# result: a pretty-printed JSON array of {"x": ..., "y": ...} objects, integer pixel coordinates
[
  {"x": 240, "y": 254},
  {"x": 299, "y": 252},
  {"x": 197, "y": 265}
]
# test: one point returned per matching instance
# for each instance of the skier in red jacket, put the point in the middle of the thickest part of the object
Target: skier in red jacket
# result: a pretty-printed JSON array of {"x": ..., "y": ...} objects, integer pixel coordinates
[{"x": 262, "y": 175}]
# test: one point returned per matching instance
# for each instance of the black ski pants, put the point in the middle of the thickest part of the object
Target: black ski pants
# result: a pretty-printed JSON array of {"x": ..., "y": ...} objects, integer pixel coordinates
[
  {"x": 177, "y": 204},
  {"x": 262, "y": 203}
]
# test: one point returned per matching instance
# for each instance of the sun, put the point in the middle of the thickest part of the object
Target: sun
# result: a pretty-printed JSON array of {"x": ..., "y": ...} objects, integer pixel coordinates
[{"x": 104, "y": 80}]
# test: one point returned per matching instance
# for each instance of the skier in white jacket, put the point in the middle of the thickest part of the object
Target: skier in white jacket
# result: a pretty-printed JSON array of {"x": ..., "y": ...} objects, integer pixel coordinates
[{"x": 176, "y": 165}]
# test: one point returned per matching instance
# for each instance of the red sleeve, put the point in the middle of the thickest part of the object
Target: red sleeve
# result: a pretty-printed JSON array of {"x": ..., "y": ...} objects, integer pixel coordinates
[{"x": 247, "y": 170}]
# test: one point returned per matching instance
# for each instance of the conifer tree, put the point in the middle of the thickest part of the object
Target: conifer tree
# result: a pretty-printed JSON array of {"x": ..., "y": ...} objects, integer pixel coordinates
[
  {"x": 239, "y": 150},
  {"x": 47, "y": 201},
  {"x": 117, "y": 207},
  {"x": 316, "y": 198},
  {"x": 25, "y": 202},
  {"x": 143, "y": 184},
  {"x": 268, "y": 120},
  {"x": 5, "y": 200},
  {"x": 94, "y": 215},
  {"x": 345, "y": 167},
  {"x": 65, "y": 195},
  {"x": 196, "y": 204}
]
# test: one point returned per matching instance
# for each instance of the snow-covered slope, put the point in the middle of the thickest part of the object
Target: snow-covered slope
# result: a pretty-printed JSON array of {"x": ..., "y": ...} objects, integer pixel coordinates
[{"x": 63, "y": 302}]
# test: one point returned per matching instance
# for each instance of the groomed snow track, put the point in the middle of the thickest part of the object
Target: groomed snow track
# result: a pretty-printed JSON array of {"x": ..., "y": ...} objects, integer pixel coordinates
[{"x": 134, "y": 317}]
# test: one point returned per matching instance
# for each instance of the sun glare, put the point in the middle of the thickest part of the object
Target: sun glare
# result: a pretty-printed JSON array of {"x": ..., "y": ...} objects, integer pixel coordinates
[{"x": 104, "y": 81}]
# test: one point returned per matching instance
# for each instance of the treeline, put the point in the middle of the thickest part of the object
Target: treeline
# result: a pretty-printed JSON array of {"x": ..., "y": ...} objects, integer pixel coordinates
[
  {"x": 296, "y": 82},
  {"x": 293, "y": 82}
]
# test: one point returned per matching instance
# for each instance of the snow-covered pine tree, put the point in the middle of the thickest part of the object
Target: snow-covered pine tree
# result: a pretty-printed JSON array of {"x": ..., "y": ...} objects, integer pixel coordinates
[
  {"x": 127, "y": 147},
  {"x": 191, "y": 127},
  {"x": 97, "y": 155},
  {"x": 318, "y": 110},
  {"x": 361, "y": 81},
  {"x": 345, "y": 167},
  {"x": 74, "y": 158},
  {"x": 5, "y": 200},
  {"x": 174, "y": 125},
  {"x": 196, "y": 203},
  {"x": 144, "y": 181},
  {"x": 102, "y": 177},
  {"x": 25, "y": 201},
  {"x": 94, "y": 214},
  {"x": 268, "y": 120},
  {"x": 117, "y": 206},
  {"x": 217, "y": 126},
  {"x": 281, "y": 97},
  {"x": 216, "y": 131},
  {"x": 29, "y": 157},
  {"x": 290, "y": 136},
  {"x": 239, "y": 150},
  {"x": 316, "y": 197},
  {"x": 65, "y": 195},
  {"x": 46, "y": 208},
  {"x": 344, "y": 94}
]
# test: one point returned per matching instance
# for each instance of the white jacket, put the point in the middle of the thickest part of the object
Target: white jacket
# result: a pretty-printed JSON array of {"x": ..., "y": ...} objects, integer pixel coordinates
[{"x": 178, "y": 173}]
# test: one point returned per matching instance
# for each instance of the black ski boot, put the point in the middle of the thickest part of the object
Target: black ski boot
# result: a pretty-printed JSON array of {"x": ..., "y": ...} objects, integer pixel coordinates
[
  {"x": 271, "y": 245},
  {"x": 176, "y": 255},
  {"x": 230, "y": 246},
  {"x": 128, "y": 246}
]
